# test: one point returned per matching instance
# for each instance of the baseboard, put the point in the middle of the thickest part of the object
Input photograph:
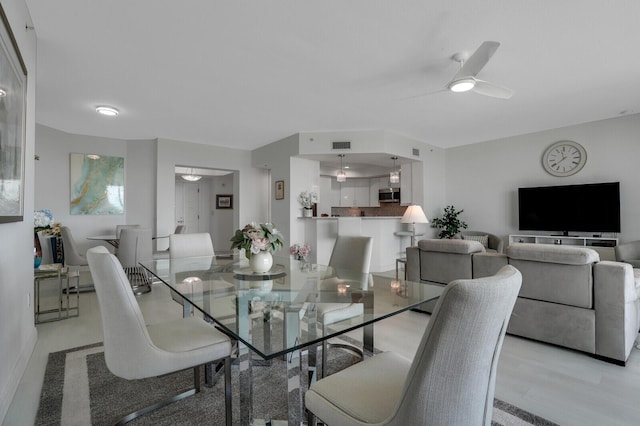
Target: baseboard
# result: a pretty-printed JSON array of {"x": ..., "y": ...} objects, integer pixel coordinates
[{"x": 10, "y": 386}]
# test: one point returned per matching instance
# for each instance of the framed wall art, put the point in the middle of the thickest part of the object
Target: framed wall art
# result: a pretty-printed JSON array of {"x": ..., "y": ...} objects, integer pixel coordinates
[
  {"x": 224, "y": 201},
  {"x": 97, "y": 184},
  {"x": 279, "y": 190},
  {"x": 13, "y": 96}
]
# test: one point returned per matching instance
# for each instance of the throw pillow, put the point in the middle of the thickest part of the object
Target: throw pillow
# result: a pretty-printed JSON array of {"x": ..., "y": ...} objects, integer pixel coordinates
[{"x": 482, "y": 239}]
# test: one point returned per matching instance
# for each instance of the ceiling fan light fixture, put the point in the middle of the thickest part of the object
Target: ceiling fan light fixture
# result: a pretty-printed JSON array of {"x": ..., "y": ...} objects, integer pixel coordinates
[{"x": 462, "y": 85}]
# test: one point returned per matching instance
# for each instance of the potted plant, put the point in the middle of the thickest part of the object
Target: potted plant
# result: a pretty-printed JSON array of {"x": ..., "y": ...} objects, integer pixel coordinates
[
  {"x": 449, "y": 224},
  {"x": 307, "y": 199}
]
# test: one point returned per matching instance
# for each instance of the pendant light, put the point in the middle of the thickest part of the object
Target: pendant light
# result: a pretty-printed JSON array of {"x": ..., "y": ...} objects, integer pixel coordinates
[
  {"x": 394, "y": 175},
  {"x": 191, "y": 177},
  {"x": 341, "y": 176}
]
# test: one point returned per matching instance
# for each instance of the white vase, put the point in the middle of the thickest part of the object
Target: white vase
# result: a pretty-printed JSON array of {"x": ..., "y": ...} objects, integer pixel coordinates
[
  {"x": 261, "y": 262},
  {"x": 307, "y": 212}
]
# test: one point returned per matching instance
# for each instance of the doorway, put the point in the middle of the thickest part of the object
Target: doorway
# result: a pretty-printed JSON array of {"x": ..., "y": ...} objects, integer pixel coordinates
[{"x": 196, "y": 203}]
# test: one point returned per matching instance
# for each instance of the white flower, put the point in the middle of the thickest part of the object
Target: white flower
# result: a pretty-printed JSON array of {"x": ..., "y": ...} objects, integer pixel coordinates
[{"x": 308, "y": 198}]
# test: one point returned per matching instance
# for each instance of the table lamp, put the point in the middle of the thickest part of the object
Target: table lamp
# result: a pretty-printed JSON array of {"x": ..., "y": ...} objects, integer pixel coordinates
[{"x": 413, "y": 215}]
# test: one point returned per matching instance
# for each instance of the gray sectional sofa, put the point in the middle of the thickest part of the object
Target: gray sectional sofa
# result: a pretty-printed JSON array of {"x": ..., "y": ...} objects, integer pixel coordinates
[{"x": 568, "y": 297}]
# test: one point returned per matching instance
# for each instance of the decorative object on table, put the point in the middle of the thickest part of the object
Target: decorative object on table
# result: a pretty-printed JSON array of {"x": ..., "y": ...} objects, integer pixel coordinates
[
  {"x": 224, "y": 201},
  {"x": 97, "y": 185},
  {"x": 449, "y": 224},
  {"x": 279, "y": 190},
  {"x": 300, "y": 251},
  {"x": 12, "y": 125},
  {"x": 259, "y": 241},
  {"x": 42, "y": 221},
  {"x": 307, "y": 199},
  {"x": 413, "y": 215}
]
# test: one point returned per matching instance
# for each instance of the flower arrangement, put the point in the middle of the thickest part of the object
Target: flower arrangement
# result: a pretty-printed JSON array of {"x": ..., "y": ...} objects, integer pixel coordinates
[
  {"x": 42, "y": 220},
  {"x": 308, "y": 198},
  {"x": 254, "y": 238},
  {"x": 300, "y": 251}
]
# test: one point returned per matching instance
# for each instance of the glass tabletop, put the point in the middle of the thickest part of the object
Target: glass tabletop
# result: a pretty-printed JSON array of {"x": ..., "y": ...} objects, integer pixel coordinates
[{"x": 276, "y": 312}]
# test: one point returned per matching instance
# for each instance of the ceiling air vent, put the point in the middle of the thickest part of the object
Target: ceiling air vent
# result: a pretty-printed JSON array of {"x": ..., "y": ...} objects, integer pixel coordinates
[
  {"x": 341, "y": 145},
  {"x": 416, "y": 152}
]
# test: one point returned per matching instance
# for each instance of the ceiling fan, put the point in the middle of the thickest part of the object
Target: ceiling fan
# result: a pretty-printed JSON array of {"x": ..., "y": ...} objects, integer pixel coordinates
[{"x": 465, "y": 79}]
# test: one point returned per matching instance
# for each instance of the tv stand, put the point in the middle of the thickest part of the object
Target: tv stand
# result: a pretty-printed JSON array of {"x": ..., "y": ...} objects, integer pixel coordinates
[{"x": 604, "y": 246}]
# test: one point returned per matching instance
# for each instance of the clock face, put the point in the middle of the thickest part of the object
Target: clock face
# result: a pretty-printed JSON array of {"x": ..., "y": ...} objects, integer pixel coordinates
[{"x": 564, "y": 158}]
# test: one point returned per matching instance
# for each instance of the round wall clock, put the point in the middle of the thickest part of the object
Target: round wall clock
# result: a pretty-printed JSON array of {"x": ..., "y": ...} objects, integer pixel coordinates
[{"x": 564, "y": 158}]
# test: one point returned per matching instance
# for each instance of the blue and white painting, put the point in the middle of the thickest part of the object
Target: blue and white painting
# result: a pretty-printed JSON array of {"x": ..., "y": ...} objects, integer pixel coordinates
[{"x": 97, "y": 185}]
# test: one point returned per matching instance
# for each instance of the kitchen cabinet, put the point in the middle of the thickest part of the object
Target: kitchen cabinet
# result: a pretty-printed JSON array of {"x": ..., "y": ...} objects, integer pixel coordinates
[
  {"x": 354, "y": 193},
  {"x": 406, "y": 184}
]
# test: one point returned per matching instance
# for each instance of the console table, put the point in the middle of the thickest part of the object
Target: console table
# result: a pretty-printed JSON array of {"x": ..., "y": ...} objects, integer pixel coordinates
[
  {"x": 64, "y": 308},
  {"x": 604, "y": 246}
]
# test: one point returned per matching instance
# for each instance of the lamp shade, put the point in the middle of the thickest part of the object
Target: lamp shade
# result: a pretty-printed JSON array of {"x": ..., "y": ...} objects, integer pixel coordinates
[{"x": 414, "y": 214}]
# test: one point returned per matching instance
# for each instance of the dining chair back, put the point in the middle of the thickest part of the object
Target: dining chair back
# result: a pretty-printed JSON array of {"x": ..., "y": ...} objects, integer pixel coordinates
[
  {"x": 188, "y": 245},
  {"x": 73, "y": 259},
  {"x": 134, "y": 350},
  {"x": 119, "y": 229},
  {"x": 135, "y": 247},
  {"x": 350, "y": 261},
  {"x": 451, "y": 380}
]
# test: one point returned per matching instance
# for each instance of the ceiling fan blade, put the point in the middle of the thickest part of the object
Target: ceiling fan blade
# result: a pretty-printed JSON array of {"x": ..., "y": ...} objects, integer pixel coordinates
[
  {"x": 493, "y": 90},
  {"x": 478, "y": 60}
]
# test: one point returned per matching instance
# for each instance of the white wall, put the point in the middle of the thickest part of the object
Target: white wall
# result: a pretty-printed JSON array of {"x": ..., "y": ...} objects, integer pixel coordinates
[
  {"x": 52, "y": 190},
  {"x": 483, "y": 179},
  {"x": 17, "y": 331},
  {"x": 221, "y": 220}
]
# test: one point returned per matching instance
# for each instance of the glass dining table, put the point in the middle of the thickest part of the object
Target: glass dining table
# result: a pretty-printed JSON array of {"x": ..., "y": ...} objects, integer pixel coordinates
[{"x": 273, "y": 314}]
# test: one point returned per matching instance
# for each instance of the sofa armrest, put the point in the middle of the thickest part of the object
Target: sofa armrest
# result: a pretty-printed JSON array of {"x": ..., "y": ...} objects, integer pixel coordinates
[
  {"x": 488, "y": 264},
  {"x": 412, "y": 267},
  {"x": 616, "y": 309}
]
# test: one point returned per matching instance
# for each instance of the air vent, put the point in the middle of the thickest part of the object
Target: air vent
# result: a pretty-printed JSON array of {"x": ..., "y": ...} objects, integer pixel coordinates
[
  {"x": 416, "y": 152},
  {"x": 341, "y": 145}
]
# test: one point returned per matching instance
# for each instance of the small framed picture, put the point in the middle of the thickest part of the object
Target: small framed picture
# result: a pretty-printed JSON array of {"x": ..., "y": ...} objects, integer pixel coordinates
[
  {"x": 279, "y": 190},
  {"x": 224, "y": 201}
]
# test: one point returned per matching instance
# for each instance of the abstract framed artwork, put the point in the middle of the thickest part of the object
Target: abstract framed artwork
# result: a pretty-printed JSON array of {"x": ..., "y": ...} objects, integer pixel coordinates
[
  {"x": 279, "y": 190},
  {"x": 97, "y": 184},
  {"x": 224, "y": 201},
  {"x": 13, "y": 95}
]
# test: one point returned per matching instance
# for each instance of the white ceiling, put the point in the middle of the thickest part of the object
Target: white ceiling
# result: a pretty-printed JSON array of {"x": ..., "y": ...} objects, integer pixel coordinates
[{"x": 246, "y": 73}]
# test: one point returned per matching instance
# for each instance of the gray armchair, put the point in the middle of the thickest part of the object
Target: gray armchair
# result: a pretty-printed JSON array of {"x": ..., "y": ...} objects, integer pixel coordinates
[
  {"x": 491, "y": 242},
  {"x": 629, "y": 253}
]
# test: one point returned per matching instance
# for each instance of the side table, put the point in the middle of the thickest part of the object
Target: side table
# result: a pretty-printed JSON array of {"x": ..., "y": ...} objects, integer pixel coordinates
[{"x": 65, "y": 308}]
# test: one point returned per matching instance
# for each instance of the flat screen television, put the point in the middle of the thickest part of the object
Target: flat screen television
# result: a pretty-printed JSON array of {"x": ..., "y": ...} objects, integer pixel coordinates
[{"x": 570, "y": 208}]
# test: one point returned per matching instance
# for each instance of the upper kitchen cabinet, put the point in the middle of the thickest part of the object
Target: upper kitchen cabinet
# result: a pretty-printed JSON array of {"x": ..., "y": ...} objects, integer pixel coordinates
[
  {"x": 406, "y": 184},
  {"x": 354, "y": 193}
]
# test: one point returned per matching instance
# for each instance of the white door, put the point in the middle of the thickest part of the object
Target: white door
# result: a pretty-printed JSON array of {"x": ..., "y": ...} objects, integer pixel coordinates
[{"x": 191, "y": 207}]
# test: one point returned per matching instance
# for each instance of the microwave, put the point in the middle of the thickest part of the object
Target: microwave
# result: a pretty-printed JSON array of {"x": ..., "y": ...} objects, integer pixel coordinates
[{"x": 389, "y": 195}]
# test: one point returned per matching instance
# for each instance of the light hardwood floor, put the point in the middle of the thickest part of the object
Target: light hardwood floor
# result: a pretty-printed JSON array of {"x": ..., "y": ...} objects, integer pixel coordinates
[{"x": 564, "y": 386}]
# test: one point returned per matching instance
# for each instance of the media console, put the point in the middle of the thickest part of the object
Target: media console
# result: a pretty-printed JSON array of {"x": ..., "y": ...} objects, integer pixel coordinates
[{"x": 604, "y": 246}]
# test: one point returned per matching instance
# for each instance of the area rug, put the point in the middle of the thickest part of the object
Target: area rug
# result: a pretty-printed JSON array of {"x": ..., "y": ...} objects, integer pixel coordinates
[{"x": 79, "y": 390}]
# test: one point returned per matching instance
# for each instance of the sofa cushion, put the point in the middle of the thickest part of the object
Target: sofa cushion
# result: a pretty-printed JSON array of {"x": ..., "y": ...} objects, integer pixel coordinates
[
  {"x": 458, "y": 246},
  {"x": 482, "y": 239},
  {"x": 569, "y": 255}
]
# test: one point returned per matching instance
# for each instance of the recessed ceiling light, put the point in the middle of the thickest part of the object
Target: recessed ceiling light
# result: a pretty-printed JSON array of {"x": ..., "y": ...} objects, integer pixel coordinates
[
  {"x": 3, "y": 93},
  {"x": 107, "y": 110}
]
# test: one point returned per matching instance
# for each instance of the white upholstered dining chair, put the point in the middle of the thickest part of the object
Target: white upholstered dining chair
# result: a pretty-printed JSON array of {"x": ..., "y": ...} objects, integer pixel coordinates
[
  {"x": 135, "y": 247},
  {"x": 450, "y": 381},
  {"x": 73, "y": 259},
  {"x": 134, "y": 350},
  {"x": 350, "y": 261}
]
